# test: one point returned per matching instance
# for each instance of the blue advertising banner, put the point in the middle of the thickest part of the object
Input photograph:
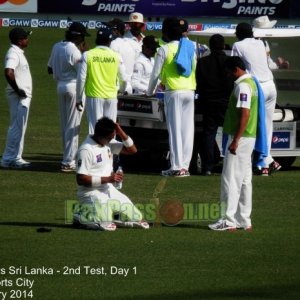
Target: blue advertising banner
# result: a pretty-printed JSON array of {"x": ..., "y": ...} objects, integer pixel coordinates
[
  {"x": 185, "y": 8},
  {"x": 281, "y": 140}
]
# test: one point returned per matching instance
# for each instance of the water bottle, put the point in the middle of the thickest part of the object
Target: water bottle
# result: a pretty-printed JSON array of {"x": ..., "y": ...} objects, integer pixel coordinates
[{"x": 119, "y": 184}]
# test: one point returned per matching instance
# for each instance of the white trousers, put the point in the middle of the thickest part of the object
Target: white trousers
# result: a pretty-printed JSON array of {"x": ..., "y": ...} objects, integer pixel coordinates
[
  {"x": 97, "y": 108},
  {"x": 70, "y": 119},
  {"x": 179, "y": 111},
  {"x": 236, "y": 183},
  {"x": 19, "y": 112},
  {"x": 103, "y": 204},
  {"x": 270, "y": 94}
]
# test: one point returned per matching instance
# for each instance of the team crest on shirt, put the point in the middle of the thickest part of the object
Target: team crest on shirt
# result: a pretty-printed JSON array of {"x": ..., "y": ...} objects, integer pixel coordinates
[
  {"x": 243, "y": 97},
  {"x": 98, "y": 158}
]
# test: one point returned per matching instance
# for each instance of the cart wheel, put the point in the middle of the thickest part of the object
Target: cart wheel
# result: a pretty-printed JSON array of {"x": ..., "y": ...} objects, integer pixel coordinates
[
  {"x": 285, "y": 162},
  {"x": 196, "y": 164}
]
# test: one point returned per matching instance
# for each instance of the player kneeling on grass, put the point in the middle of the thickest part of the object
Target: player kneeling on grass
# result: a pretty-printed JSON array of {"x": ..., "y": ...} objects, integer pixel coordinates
[{"x": 99, "y": 199}]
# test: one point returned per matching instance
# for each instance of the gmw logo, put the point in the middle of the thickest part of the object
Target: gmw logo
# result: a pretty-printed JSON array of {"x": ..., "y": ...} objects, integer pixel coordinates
[{"x": 15, "y": 2}]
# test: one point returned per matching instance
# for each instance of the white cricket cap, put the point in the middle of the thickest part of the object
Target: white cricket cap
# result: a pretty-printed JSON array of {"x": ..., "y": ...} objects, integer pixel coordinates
[{"x": 136, "y": 17}]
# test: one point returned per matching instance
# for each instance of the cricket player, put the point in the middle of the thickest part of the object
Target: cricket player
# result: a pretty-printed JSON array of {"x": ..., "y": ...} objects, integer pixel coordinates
[
  {"x": 64, "y": 64},
  {"x": 178, "y": 100},
  {"x": 98, "y": 197},
  {"x": 241, "y": 126},
  {"x": 144, "y": 65},
  {"x": 124, "y": 47},
  {"x": 19, "y": 93},
  {"x": 98, "y": 77},
  {"x": 134, "y": 34},
  {"x": 253, "y": 53}
]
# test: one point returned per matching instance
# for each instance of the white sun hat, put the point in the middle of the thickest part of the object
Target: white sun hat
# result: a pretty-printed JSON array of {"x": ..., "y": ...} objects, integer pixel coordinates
[{"x": 264, "y": 22}]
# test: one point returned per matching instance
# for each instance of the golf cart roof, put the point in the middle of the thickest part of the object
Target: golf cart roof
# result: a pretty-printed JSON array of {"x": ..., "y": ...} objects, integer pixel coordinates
[{"x": 257, "y": 32}]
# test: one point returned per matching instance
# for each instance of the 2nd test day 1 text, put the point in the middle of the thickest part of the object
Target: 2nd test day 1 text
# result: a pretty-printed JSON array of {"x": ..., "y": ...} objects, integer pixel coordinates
[{"x": 66, "y": 270}]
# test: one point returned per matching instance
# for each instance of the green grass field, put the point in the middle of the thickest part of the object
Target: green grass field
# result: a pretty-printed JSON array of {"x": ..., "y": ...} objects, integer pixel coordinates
[{"x": 179, "y": 262}]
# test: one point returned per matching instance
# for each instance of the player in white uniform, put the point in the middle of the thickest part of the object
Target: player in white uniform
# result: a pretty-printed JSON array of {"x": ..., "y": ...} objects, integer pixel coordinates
[
  {"x": 134, "y": 34},
  {"x": 64, "y": 64},
  {"x": 178, "y": 100},
  {"x": 100, "y": 69},
  {"x": 123, "y": 46},
  {"x": 240, "y": 124},
  {"x": 253, "y": 53},
  {"x": 99, "y": 199},
  {"x": 264, "y": 22},
  {"x": 144, "y": 65},
  {"x": 134, "y": 37},
  {"x": 19, "y": 93}
]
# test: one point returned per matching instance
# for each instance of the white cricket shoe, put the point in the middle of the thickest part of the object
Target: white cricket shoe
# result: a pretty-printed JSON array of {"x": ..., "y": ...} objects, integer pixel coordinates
[
  {"x": 15, "y": 164},
  {"x": 67, "y": 168},
  {"x": 133, "y": 224},
  {"x": 103, "y": 226},
  {"x": 221, "y": 225},
  {"x": 108, "y": 226}
]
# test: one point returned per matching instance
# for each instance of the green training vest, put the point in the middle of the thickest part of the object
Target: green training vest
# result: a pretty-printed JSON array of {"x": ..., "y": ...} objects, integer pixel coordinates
[
  {"x": 232, "y": 117},
  {"x": 102, "y": 73}
]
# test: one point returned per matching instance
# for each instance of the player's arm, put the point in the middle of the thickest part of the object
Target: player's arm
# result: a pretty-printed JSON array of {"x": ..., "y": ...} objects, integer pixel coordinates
[
  {"x": 84, "y": 165},
  {"x": 97, "y": 181},
  {"x": 128, "y": 144},
  {"x": 10, "y": 77},
  {"x": 80, "y": 82},
  {"x": 244, "y": 117},
  {"x": 158, "y": 64}
]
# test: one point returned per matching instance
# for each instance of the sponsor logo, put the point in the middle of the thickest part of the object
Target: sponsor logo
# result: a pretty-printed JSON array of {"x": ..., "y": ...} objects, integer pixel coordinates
[
  {"x": 63, "y": 24},
  {"x": 5, "y": 22},
  {"x": 154, "y": 26},
  {"x": 34, "y": 23},
  {"x": 281, "y": 140},
  {"x": 207, "y": 26},
  {"x": 111, "y": 7},
  {"x": 14, "y": 2}
]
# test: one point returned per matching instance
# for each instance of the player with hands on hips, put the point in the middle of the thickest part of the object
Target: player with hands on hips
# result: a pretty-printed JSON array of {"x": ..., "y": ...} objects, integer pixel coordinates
[
  {"x": 99, "y": 199},
  {"x": 19, "y": 93}
]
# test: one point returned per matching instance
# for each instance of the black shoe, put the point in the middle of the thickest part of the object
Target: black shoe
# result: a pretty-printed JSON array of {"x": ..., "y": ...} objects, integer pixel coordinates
[{"x": 206, "y": 173}]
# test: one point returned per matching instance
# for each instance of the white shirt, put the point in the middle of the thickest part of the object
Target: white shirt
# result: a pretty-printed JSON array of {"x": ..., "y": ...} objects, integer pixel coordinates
[
  {"x": 64, "y": 61},
  {"x": 141, "y": 74},
  {"x": 136, "y": 44},
  {"x": 253, "y": 53},
  {"x": 96, "y": 160},
  {"x": 124, "y": 48},
  {"x": 16, "y": 60},
  {"x": 243, "y": 92}
]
